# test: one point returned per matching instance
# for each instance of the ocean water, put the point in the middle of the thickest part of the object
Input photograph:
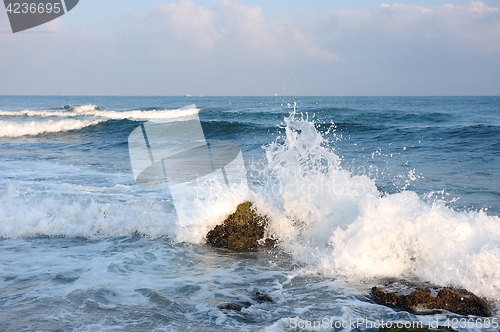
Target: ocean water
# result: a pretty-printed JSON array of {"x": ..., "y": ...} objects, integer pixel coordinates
[{"x": 359, "y": 190}]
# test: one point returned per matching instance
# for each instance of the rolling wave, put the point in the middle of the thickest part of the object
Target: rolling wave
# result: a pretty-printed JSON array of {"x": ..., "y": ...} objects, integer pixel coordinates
[
  {"x": 18, "y": 129},
  {"x": 36, "y": 122}
]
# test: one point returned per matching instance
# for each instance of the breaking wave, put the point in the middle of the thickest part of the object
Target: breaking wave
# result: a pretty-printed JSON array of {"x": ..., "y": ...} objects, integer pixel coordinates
[
  {"x": 36, "y": 122},
  {"x": 329, "y": 220},
  {"x": 337, "y": 223}
]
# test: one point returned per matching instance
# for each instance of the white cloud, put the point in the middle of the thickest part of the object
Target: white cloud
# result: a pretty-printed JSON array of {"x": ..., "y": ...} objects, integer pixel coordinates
[
  {"x": 474, "y": 26},
  {"x": 184, "y": 22},
  {"x": 314, "y": 50},
  {"x": 250, "y": 27},
  {"x": 184, "y": 27},
  {"x": 481, "y": 8},
  {"x": 279, "y": 39}
]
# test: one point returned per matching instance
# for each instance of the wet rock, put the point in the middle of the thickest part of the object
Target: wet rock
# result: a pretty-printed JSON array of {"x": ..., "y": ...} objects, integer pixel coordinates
[
  {"x": 430, "y": 300},
  {"x": 231, "y": 306},
  {"x": 244, "y": 229},
  {"x": 237, "y": 306},
  {"x": 261, "y": 298},
  {"x": 234, "y": 310}
]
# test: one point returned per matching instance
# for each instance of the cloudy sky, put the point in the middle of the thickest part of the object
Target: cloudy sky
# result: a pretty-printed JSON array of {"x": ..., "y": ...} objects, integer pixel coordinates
[{"x": 282, "y": 47}]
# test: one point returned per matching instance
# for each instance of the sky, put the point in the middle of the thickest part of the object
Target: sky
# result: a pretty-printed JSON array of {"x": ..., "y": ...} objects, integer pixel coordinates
[{"x": 257, "y": 48}]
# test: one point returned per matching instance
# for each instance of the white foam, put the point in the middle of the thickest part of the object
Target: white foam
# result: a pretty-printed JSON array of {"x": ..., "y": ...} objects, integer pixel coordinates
[
  {"x": 339, "y": 224},
  {"x": 214, "y": 203},
  {"x": 94, "y": 111},
  {"x": 70, "y": 112},
  {"x": 78, "y": 117},
  {"x": 52, "y": 208},
  {"x": 331, "y": 221},
  {"x": 78, "y": 216},
  {"x": 17, "y": 129},
  {"x": 147, "y": 115},
  {"x": 77, "y": 201}
]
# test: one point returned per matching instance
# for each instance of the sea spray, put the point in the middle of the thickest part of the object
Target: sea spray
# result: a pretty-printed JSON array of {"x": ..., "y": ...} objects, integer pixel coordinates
[{"x": 338, "y": 224}]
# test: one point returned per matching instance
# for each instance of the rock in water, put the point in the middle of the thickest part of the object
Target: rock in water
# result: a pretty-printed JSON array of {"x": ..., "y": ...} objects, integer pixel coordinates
[
  {"x": 237, "y": 306},
  {"x": 421, "y": 301},
  {"x": 261, "y": 298},
  {"x": 231, "y": 306},
  {"x": 244, "y": 229}
]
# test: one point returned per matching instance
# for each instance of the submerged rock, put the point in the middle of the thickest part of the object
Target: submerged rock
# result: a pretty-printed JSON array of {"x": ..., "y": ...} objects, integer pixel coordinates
[
  {"x": 231, "y": 306},
  {"x": 421, "y": 301},
  {"x": 237, "y": 306},
  {"x": 261, "y": 298},
  {"x": 244, "y": 229}
]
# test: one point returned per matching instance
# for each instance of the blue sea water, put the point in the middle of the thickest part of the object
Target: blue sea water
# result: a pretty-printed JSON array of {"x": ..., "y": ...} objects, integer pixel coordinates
[{"x": 358, "y": 189}]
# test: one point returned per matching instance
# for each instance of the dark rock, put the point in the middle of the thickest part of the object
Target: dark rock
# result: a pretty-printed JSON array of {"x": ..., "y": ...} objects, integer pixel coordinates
[
  {"x": 231, "y": 306},
  {"x": 421, "y": 301},
  {"x": 244, "y": 229},
  {"x": 237, "y": 306},
  {"x": 234, "y": 311},
  {"x": 261, "y": 298}
]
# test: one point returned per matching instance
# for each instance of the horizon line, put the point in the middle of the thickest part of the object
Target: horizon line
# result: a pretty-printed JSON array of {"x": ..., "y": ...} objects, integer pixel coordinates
[{"x": 225, "y": 96}]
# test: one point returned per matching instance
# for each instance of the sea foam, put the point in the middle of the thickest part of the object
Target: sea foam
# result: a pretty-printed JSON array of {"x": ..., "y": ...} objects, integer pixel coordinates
[
  {"x": 53, "y": 215},
  {"x": 339, "y": 224},
  {"x": 329, "y": 220},
  {"x": 36, "y": 122},
  {"x": 17, "y": 129}
]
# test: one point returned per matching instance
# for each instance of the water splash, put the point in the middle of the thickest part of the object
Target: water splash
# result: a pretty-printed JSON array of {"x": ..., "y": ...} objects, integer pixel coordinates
[{"x": 340, "y": 225}]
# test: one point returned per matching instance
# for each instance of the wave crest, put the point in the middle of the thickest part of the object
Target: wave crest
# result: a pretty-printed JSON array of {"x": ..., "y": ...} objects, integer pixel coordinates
[
  {"x": 17, "y": 129},
  {"x": 71, "y": 117}
]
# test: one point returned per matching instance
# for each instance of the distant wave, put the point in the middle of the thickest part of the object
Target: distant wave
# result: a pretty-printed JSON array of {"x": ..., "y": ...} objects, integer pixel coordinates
[
  {"x": 77, "y": 117},
  {"x": 93, "y": 110},
  {"x": 17, "y": 129}
]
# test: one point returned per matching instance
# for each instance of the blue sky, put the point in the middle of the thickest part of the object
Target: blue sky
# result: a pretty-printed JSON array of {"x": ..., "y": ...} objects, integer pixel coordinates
[{"x": 224, "y": 47}]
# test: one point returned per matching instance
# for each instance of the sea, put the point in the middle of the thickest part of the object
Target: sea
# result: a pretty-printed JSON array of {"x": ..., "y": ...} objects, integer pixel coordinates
[{"x": 359, "y": 192}]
